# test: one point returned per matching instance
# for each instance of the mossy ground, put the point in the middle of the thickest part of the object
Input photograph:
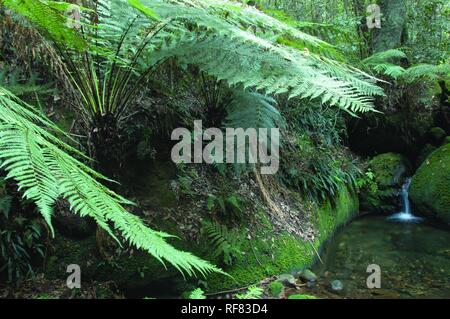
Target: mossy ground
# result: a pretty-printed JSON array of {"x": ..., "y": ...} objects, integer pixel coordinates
[{"x": 270, "y": 254}]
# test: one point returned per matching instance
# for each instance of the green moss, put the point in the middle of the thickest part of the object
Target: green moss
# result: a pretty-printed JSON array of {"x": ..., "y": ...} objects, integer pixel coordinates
[
  {"x": 430, "y": 187},
  {"x": 300, "y": 296},
  {"x": 446, "y": 140},
  {"x": 437, "y": 135},
  {"x": 275, "y": 288},
  {"x": 270, "y": 254},
  {"x": 388, "y": 169},
  {"x": 425, "y": 152},
  {"x": 330, "y": 216}
]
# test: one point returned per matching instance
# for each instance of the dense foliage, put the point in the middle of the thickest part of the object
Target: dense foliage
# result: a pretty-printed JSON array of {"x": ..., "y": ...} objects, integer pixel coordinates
[{"x": 130, "y": 71}]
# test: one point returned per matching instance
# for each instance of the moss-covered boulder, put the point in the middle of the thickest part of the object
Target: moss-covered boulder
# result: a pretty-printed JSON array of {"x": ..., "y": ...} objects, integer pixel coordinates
[
  {"x": 390, "y": 171},
  {"x": 430, "y": 186},
  {"x": 424, "y": 153},
  {"x": 436, "y": 136}
]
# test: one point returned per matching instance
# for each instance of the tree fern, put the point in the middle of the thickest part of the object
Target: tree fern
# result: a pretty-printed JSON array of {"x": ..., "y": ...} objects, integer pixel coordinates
[
  {"x": 233, "y": 42},
  {"x": 43, "y": 168}
]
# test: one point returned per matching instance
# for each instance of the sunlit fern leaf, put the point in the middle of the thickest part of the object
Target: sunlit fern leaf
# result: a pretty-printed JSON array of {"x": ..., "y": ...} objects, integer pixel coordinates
[
  {"x": 45, "y": 170},
  {"x": 386, "y": 63},
  {"x": 197, "y": 294},
  {"x": 51, "y": 17}
]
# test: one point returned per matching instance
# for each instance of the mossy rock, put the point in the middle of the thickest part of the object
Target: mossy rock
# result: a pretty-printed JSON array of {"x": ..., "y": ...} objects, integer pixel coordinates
[
  {"x": 396, "y": 130},
  {"x": 390, "y": 171},
  {"x": 389, "y": 168},
  {"x": 446, "y": 140},
  {"x": 430, "y": 186},
  {"x": 436, "y": 136},
  {"x": 424, "y": 153}
]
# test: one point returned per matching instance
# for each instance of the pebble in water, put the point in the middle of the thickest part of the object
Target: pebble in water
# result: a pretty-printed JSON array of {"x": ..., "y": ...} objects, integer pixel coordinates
[{"x": 337, "y": 285}]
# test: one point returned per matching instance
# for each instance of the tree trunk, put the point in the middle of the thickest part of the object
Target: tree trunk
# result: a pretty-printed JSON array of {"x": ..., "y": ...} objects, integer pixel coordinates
[{"x": 393, "y": 26}]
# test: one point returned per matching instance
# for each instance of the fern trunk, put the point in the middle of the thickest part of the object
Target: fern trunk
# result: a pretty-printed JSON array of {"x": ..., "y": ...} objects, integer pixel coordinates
[{"x": 107, "y": 141}]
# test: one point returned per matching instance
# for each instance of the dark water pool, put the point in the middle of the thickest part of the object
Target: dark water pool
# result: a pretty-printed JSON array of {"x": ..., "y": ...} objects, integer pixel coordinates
[{"x": 414, "y": 260}]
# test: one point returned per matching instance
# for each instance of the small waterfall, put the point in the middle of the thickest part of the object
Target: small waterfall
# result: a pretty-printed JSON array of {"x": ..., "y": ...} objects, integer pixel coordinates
[{"x": 405, "y": 215}]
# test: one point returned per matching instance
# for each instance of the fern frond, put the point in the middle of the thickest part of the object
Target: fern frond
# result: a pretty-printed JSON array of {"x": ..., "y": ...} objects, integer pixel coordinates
[
  {"x": 384, "y": 63},
  {"x": 427, "y": 71},
  {"x": 50, "y": 17},
  {"x": 252, "y": 110},
  {"x": 380, "y": 57},
  {"x": 197, "y": 294},
  {"x": 45, "y": 171},
  {"x": 389, "y": 69},
  {"x": 202, "y": 33},
  {"x": 253, "y": 292},
  {"x": 224, "y": 241}
]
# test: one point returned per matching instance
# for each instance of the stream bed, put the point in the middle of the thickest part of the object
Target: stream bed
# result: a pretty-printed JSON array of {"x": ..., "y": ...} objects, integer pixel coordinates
[{"x": 414, "y": 259}]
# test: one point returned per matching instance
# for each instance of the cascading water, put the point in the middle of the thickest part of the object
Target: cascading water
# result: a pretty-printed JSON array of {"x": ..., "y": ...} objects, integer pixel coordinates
[{"x": 405, "y": 215}]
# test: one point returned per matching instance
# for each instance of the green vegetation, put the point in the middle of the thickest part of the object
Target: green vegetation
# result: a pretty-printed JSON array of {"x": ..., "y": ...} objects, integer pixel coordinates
[
  {"x": 387, "y": 173},
  {"x": 270, "y": 253},
  {"x": 91, "y": 93},
  {"x": 429, "y": 187},
  {"x": 275, "y": 288}
]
